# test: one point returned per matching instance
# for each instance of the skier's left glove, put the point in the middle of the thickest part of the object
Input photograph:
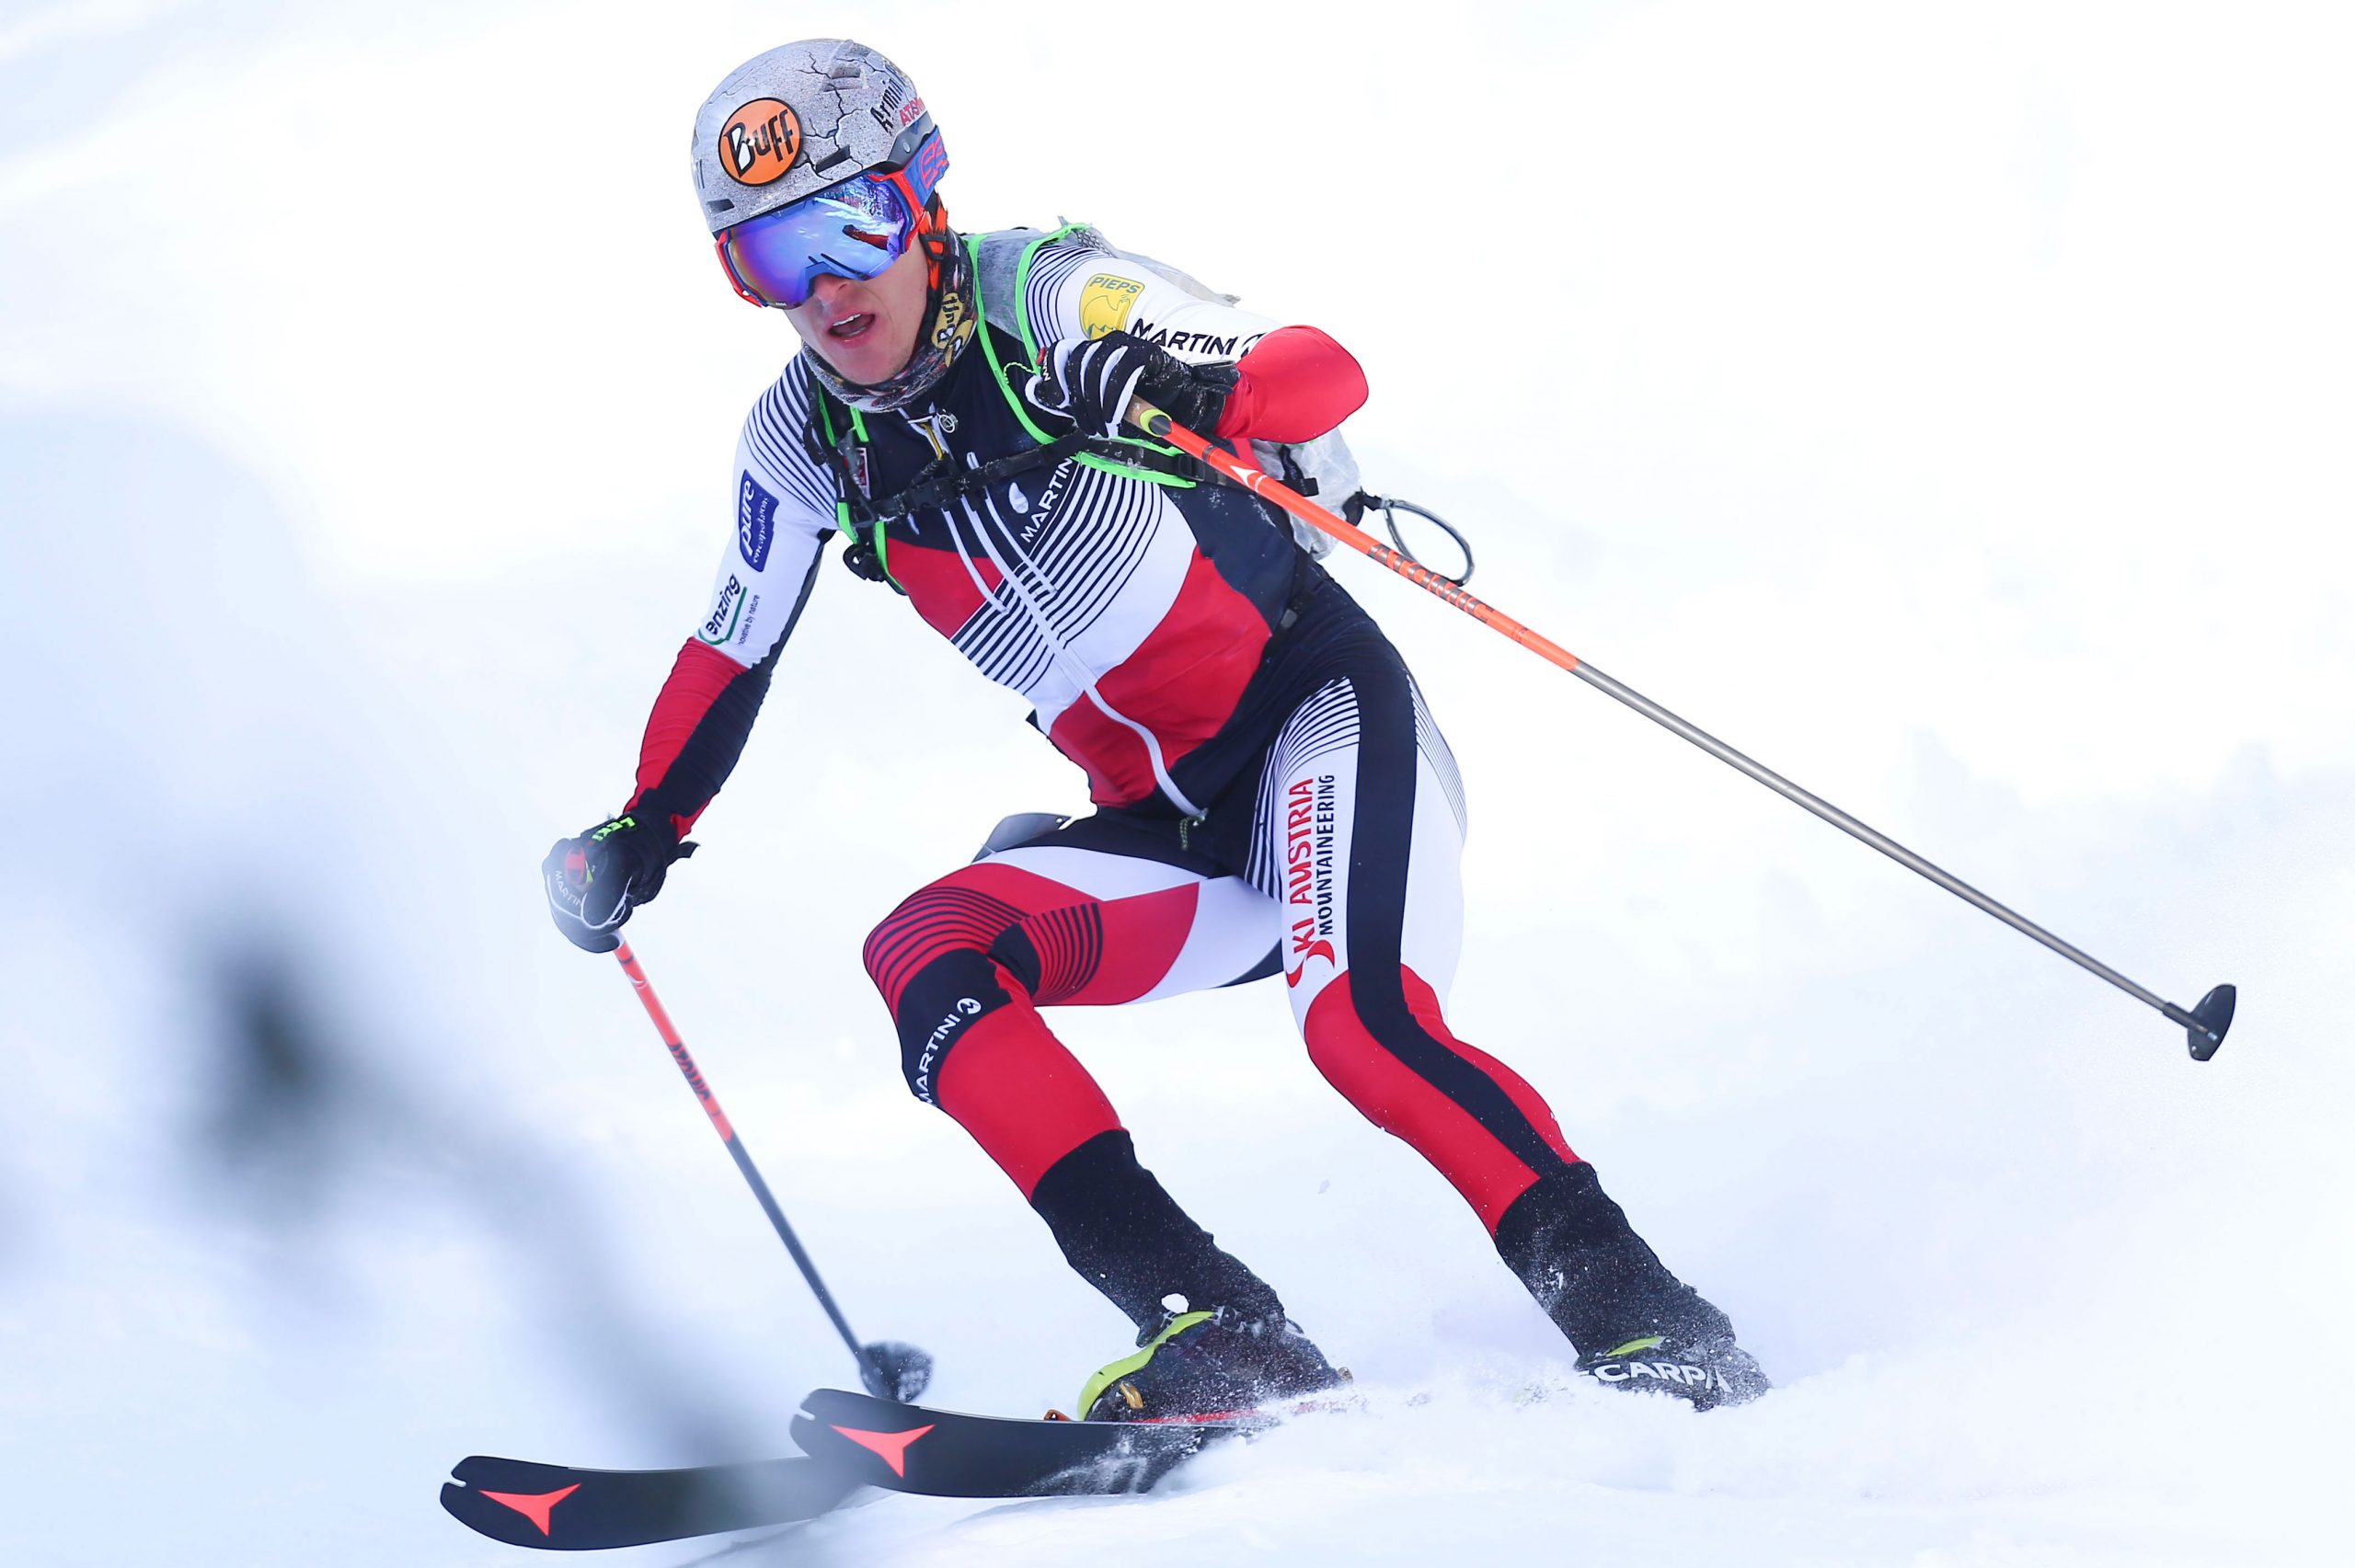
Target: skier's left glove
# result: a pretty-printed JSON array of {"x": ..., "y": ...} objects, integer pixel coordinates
[
  {"x": 595, "y": 880},
  {"x": 1090, "y": 380}
]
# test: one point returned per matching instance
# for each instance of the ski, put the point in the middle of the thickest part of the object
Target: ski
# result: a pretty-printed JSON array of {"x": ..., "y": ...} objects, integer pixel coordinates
[
  {"x": 559, "y": 1508},
  {"x": 938, "y": 1453},
  {"x": 849, "y": 1440}
]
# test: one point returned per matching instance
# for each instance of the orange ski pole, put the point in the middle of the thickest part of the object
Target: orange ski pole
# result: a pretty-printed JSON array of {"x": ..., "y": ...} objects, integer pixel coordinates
[{"x": 2203, "y": 1025}]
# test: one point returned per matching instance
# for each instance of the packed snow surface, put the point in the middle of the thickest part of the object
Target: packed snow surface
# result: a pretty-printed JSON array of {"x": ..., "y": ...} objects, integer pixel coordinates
[{"x": 1949, "y": 410}]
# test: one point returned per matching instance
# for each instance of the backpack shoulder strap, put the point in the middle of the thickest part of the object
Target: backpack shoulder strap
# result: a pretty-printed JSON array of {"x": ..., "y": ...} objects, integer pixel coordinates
[
  {"x": 1133, "y": 457},
  {"x": 866, "y": 552}
]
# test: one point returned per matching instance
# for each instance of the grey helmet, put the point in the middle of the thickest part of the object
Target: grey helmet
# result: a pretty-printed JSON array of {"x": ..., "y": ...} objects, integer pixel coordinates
[{"x": 798, "y": 119}]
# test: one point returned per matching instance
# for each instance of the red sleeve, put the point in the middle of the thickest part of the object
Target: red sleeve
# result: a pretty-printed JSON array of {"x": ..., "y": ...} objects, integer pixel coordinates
[
  {"x": 1295, "y": 385},
  {"x": 696, "y": 732}
]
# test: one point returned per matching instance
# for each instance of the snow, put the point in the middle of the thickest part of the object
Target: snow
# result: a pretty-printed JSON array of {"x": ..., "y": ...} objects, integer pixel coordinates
[{"x": 1948, "y": 409}]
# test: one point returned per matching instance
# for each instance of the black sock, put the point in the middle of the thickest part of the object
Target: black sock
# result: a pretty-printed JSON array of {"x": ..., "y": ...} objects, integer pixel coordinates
[
  {"x": 1128, "y": 1238},
  {"x": 1574, "y": 1251}
]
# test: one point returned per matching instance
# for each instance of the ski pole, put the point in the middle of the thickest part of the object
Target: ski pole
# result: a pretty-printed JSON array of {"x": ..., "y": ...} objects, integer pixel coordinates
[
  {"x": 890, "y": 1369},
  {"x": 2203, "y": 1025}
]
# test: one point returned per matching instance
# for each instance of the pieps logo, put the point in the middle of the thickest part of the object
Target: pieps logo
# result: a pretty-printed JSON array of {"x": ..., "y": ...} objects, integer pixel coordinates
[
  {"x": 1104, "y": 302},
  {"x": 760, "y": 142}
]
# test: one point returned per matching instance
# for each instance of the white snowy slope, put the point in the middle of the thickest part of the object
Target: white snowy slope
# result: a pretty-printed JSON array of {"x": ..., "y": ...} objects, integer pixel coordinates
[{"x": 1948, "y": 408}]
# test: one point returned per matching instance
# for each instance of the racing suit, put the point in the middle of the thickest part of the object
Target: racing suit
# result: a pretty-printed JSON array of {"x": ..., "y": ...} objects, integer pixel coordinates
[{"x": 1271, "y": 792}]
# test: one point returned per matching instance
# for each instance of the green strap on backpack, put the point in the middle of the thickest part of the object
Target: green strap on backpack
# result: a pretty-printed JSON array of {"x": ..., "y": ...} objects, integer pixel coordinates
[
  {"x": 872, "y": 539},
  {"x": 1149, "y": 454},
  {"x": 1030, "y": 347}
]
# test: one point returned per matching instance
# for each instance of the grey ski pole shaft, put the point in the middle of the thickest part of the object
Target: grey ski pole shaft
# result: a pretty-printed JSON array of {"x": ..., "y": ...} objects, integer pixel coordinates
[{"x": 2203, "y": 1025}]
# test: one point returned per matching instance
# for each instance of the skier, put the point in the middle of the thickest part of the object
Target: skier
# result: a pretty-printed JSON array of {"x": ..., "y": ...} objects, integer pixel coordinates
[{"x": 1271, "y": 792}]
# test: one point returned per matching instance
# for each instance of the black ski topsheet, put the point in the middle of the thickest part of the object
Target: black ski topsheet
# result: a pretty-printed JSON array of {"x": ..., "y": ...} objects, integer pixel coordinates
[
  {"x": 850, "y": 1440},
  {"x": 939, "y": 1453},
  {"x": 559, "y": 1508}
]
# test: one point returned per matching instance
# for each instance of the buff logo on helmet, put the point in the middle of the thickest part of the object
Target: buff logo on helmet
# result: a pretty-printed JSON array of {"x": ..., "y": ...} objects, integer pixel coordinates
[
  {"x": 1104, "y": 302},
  {"x": 760, "y": 142}
]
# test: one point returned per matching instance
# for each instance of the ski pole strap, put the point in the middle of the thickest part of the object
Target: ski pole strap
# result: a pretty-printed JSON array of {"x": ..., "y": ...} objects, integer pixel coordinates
[
  {"x": 1388, "y": 506},
  {"x": 1447, "y": 589}
]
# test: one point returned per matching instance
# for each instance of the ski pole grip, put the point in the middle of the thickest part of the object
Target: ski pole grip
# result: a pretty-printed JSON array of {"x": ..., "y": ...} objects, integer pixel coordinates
[{"x": 1148, "y": 418}]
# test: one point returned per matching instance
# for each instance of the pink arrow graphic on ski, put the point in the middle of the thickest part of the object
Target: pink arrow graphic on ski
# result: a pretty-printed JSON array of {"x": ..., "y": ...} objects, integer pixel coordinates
[
  {"x": 892, "y": 1445},
  {"x": 535, "y": 1506}
]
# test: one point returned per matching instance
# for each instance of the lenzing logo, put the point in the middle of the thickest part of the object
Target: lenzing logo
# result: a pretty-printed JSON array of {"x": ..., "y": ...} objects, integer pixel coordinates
[{"x": 723, "y": 615}]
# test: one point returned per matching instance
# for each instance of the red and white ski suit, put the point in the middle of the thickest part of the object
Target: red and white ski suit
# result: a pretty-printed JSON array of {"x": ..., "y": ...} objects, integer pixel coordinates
[{"x": 1272, "y": 792}]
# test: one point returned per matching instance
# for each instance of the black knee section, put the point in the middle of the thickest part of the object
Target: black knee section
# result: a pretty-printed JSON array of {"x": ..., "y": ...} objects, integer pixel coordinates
[
  {"x": 1573, "y": 1248},
  {"x": 1128, "y": 1238},
  {"x": 937, "y": 1006}
]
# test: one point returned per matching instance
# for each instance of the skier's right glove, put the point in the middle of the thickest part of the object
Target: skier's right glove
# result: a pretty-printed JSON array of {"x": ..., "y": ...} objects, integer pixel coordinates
[{"x": 595, "y": 880}]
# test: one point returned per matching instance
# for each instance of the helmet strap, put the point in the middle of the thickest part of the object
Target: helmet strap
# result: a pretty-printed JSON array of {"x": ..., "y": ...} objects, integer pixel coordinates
[{"x": 932, "y": 233}]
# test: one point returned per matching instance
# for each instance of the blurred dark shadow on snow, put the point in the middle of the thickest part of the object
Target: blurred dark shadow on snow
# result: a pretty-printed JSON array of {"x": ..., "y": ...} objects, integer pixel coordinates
[
  {"x": 231, "y": 986},
  {"x": 283, "y": 1101}
]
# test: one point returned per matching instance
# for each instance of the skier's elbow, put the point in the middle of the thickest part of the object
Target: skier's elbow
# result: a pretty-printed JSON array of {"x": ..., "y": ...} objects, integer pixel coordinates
[{"x": 1294, "y": 386}]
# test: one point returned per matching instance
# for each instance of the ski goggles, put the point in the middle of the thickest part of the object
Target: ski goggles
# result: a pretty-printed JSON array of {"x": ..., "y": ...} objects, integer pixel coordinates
[{"x": 856, "y": 229}]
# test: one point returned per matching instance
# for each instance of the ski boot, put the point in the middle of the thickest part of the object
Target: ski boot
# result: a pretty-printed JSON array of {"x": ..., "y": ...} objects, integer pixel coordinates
[
  {"x": 1635, "y": 1325},
  {"x": 1203, "y": 1365},
  {"x": 1705, "y": 1372}
]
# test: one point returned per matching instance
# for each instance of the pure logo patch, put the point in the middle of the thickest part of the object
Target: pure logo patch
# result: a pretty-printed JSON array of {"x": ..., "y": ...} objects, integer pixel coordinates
[
  {"x": 760, "y": 142},
  {"x": 755, "y": 522}
]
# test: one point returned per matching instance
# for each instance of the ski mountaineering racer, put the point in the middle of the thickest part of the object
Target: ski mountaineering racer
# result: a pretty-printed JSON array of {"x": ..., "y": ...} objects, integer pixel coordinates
[{"x": 1271, "y": 794}]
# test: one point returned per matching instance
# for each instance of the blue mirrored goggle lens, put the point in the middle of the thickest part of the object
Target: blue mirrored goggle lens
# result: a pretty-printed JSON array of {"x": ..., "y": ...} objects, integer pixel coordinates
[{"x": 853, "y": 230}]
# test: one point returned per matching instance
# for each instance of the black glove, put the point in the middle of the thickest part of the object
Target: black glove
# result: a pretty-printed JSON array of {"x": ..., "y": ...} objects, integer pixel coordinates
[
  {"x": 595, "y": 880},
  {"x": 1090, "y": 380}
]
